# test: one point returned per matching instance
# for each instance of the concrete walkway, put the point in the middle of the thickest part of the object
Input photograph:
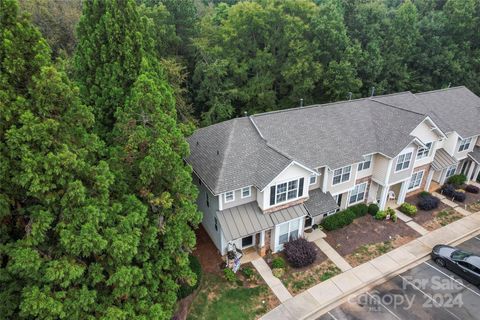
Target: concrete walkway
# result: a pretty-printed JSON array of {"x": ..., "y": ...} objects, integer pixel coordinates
[
  {"x": 333, "y": 255},
  {"x": 273, "y": 282},
  {"x": 319, "y": 298},
  {"x": 412, "y": 224}
]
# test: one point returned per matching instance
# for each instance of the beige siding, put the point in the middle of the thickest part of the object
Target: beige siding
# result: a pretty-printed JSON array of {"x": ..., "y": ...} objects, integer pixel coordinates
[
  {"x": 380, "y": 168},
  {"x": 238, "y": 198},
  {"x": 343, "y": 186},
  {"x": 424, "y": 133},
  {"x": 396, "y": 177}
]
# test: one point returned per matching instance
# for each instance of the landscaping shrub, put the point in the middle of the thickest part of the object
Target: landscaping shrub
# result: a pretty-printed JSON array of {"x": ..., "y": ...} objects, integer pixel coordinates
[
  {"x": 360, "y": 209},
  {"x": 408, "y": 209},
  {"x": 472, "y": 189},
  {"x": 381, "y": 215},
  {"x": 425, "y": 194},
  {"x": 278, "y": 272},
  {"x": 229, "y": 275},
  {"x": 459, "y": 196},
  {"x": 338, "y": 220},
  {"x": 278, "y": 263},
  {"x": 373, "y": 209},
  {"x": 185, "y": 289},
  {"x": 428, "y": 203},
  {"x": 300, "y": 252},
  {"x": 247, "y": 272},
  {"x": 448, "y": 190},
  {"x": 393, "y": 215},
  {"x": 457, "y": 180}
]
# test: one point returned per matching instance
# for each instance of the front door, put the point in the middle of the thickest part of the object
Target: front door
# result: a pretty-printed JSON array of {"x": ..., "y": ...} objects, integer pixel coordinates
[
  {"x": 465, "y": 167},
  {"x": 338, "y": 198}
]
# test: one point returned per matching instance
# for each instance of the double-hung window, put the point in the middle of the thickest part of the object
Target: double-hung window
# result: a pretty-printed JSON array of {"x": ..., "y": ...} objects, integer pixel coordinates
[
  {"x": 246, "y": 192},
  {"x": 403, "y": 161},
  {"x": 313, "y": 179},
  {"x": 415, "y": 180},
  {"x": 342, "y": 174},
  {"x": 451, "y": 171},
  {"x": 464, "y": 144},
  {"x": 229, "y": 196},
  {"x": 358, "y": 193},
  {"x": 424, "y": 152},
  {"x": 286, "y": 191},
  {"x": 367, "y": 162}
]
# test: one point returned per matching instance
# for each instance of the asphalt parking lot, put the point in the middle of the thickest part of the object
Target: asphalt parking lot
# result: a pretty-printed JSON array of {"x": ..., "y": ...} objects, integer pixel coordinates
[{"x": 426, "y": 291}]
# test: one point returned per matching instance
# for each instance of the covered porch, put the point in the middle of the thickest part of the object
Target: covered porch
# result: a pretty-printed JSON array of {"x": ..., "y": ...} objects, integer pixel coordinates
[{"x": 473, "y": 171}]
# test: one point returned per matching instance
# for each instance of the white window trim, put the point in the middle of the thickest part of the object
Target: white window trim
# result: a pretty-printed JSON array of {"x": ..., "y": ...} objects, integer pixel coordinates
[
  {"x": 448, "y": 169},
  {"x": 369, "y": 159},
  {"x": 409, "y": 161},
  {"x": 301, "y": 223},
  {"x": 286, "y": 197},
  {"x": 410, "y": 180},
  {"x": 340, "y": 182},
  {"x": 464, "y": 142},
  {"x": 233, "y": 196},
  {"x": 422, "y": 149},
  {"x": 249, "y": 192},
  {"x": 310, "y": 181},
  {"x": 364, "y": 194}
]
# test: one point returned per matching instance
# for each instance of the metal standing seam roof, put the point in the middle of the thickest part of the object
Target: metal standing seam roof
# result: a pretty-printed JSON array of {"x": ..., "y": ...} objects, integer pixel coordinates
[
  {"x": 320, "y": 202},
  {"x": 442, "y": 160},
  {"x": 475, "y": 154},
  {"x": 247, "y": 219}
]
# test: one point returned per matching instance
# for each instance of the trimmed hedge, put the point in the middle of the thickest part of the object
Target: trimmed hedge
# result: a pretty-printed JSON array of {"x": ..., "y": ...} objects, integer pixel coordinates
[
  {"x": 186, "y": 290},
  {"x": 427, "y": 203},
  {"x": 381, "y": 215},
  {"x": 373, "y": 209},
  {"x": 459, "y": 196},
  {"x": 300, "y": 252},
  {"x": 457, "y": 180},
  {"x": 338, "y": 220},
  {"x": 449, "y": 191},
  {"x": 472, "y": 189},
  {"x": 360, "y": 209},
  {"x": 408, "y": 209}
]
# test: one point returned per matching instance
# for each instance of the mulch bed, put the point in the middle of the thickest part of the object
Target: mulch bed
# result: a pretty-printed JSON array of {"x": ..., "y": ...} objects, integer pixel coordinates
[
  {"x": 423, "y": 217},
  {"x": 471, "y": 198},
  {"x": 321, "y": 257},
  {"x": 366, "y": 230},
  {"x": 207, "y": 253}
]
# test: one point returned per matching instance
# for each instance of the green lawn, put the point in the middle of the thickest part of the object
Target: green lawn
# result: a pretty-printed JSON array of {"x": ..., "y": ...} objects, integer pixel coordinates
[{"x": 219, "y": 299}]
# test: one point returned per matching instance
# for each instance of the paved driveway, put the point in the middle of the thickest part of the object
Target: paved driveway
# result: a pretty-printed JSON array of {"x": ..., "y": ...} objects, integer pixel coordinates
[{"x": 424, "y": 292}]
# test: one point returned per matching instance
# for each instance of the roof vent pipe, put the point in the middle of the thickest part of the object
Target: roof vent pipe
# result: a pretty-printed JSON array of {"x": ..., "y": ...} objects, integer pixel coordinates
[
  {"x": 373, "y": 92},
  {"x": 301, "y": 102},
  {"x": 350, "y": 95},
  {"x": 218, "y": 152},
  {"x": 245, "y": 113}
]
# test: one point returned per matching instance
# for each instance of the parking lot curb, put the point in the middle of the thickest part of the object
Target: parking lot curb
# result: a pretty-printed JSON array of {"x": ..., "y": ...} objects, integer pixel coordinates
[{"x": 366, "y": 286}]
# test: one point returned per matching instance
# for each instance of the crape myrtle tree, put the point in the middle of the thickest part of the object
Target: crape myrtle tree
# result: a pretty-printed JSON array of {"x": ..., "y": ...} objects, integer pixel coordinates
[{"x": 71, "y": 248}]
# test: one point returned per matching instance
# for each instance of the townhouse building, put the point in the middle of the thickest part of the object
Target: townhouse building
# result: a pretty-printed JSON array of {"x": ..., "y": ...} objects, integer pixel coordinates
[{"x": 265, "y": 178}]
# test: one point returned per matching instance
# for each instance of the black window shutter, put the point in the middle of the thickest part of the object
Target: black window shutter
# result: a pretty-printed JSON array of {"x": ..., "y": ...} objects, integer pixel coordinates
[
  {"x": 272, "y": 195},
  {"x": 300, "y": 187}
]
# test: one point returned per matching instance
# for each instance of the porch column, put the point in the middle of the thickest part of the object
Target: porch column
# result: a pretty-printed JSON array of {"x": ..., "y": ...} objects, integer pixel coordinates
[
  {"x": 383, "y": 197},
  {"x": 429, "y": 180},
  {"x": 403, "y": 192},
  {"x": 477, "y": 172},
  {"x": 262, "y": 249},
  {"x": 262, "y": 238},
  {"x": 470, "y": 171}
]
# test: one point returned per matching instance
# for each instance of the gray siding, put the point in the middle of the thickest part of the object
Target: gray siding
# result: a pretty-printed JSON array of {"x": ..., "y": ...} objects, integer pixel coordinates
[
  {"x": 238, "y": 198},
  {"x": 209, "y": 212}
]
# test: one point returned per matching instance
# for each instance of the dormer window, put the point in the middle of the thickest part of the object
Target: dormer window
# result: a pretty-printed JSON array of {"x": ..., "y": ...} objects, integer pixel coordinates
[
  {"x": 366, "y": 163},
  {"x": 229, "y": 196},
  {"x": 464, "y": 144},
  {"x": 424, "y": 152}
]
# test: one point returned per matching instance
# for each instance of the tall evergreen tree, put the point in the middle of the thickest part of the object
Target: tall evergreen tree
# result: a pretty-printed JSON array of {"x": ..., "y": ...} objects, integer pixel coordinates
[{"x": 108, "y": 54}]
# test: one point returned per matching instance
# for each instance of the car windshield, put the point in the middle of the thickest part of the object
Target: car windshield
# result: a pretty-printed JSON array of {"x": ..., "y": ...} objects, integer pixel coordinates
[{"x": 460, "y": 255}]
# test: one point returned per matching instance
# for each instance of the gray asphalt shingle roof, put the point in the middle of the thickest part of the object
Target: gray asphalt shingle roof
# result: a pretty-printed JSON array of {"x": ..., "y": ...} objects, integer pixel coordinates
[
  {"x": 319, "y": 202},
  {"x": 254, "y": 150}
]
